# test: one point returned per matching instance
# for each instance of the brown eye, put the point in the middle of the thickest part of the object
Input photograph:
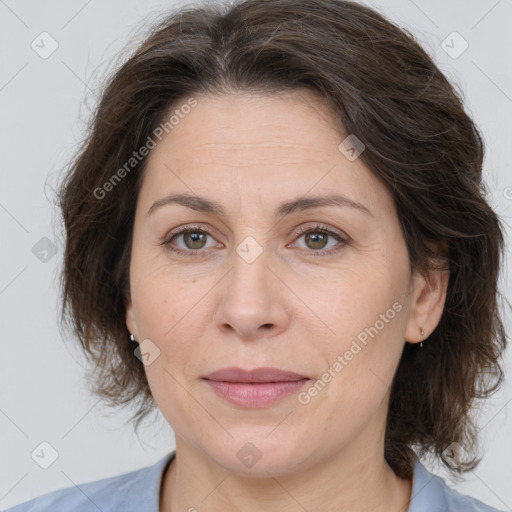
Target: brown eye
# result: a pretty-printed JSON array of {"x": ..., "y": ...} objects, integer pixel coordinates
[
  {"x": 194, "y": 239},
  {"x": 188, "y": 241},
  {"x": 316, "y": 239}
]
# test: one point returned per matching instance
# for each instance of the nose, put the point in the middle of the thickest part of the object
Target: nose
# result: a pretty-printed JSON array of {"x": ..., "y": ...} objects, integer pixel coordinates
[{"x": 253, "y": 300}]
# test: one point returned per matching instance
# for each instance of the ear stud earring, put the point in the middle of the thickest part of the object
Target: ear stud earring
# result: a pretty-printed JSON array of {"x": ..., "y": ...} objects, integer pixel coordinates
[
  {"x": 132, "y": 337},
  {"x": 422, "y": 333}
]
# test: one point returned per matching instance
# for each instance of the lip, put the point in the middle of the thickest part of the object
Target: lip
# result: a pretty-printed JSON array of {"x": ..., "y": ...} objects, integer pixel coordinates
[
  {"x": 256, "y": 375},
  {"x": 254, "y": 388}
]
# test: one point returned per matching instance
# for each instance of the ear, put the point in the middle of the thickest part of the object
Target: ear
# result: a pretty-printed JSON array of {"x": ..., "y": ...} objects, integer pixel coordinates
[{"x": 427, "y": 304}]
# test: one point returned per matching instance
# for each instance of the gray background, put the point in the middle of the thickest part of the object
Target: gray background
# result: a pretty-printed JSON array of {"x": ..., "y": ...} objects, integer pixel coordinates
[{"x": 44, "y": 104}]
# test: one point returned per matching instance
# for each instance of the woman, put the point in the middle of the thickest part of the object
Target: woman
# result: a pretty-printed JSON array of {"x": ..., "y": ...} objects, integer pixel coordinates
[{"x": 277, "y": 236}]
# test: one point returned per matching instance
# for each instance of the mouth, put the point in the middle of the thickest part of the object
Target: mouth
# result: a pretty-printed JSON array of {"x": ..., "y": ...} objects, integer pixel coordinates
[{"x": 254, "y": 388}]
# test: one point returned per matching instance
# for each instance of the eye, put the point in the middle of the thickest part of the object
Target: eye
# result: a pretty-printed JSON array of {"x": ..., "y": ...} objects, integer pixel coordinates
[
  {"x": 316, "y": 239},
  {"x": 193, "y": 238}
]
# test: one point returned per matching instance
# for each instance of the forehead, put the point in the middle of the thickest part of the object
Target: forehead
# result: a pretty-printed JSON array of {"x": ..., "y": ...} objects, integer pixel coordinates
[
  {"x": 273, "y": 143},
  {"x": 295, "y": 120}
]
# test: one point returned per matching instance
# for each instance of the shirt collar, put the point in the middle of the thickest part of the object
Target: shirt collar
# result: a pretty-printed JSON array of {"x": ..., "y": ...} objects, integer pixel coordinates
[
  {"x": 427, "y": 491},
  {"x": 144, "y": 491}
]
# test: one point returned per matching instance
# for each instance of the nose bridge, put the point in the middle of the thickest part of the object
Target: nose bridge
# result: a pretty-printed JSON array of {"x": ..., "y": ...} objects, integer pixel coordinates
[
  {"x": 251, "y": 298},
  {"x": 250, "y": 274}
]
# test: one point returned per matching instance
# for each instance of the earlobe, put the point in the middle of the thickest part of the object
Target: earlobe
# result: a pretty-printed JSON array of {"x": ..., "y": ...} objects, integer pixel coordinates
[
  {"x": 427, "y": 305},
  {"x": 130, "y": 319}
]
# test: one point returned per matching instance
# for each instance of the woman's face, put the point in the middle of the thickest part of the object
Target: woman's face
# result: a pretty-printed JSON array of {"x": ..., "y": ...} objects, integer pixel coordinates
[{"x": 245, "y": 288}]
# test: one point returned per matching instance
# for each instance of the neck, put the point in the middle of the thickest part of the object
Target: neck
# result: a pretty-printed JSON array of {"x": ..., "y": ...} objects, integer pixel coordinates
[{"x": 194, "y": 482}]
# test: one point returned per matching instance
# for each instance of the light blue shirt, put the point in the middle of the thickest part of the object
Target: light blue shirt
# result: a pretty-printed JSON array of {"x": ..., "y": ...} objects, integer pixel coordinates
[{"x": 139, "y": 491}]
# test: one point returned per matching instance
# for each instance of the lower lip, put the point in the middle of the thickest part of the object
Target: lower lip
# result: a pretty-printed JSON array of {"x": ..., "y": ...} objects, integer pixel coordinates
[{"x": 255, "y": 395}]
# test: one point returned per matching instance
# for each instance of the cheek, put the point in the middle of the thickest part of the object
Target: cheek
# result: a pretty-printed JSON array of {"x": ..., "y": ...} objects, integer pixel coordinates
[
  {"x": 170, "y": 312},
  {"x": 353, "y": 299},
  {"x": 360, "y": 361},
  {"x": 364, "y": 314},
  {"x": 159, "y": 297}
]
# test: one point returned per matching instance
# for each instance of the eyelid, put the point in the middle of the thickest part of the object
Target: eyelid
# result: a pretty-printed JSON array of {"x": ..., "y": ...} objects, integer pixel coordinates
[
  {"x": 185, "y": 229},
  {"x": 320, "y": 227}
]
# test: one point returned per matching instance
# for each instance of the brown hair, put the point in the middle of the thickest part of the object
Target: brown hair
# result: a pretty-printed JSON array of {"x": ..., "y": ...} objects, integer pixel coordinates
[{"x": 385, "y": 89}]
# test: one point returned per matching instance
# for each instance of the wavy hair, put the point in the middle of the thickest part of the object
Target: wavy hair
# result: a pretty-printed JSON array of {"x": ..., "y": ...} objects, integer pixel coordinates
[{"x": 382, "y": 86}]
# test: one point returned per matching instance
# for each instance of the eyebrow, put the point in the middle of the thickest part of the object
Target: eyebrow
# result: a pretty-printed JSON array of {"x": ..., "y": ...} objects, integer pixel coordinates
[{"x": 204, "y": 205}]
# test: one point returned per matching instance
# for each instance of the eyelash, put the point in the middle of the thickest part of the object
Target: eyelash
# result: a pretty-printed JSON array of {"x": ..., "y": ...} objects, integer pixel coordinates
[{"x": 318, "y": 228}]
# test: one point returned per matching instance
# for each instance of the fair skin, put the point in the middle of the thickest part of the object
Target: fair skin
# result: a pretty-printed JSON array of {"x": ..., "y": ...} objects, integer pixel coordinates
[{"x": 292, "y": 308}]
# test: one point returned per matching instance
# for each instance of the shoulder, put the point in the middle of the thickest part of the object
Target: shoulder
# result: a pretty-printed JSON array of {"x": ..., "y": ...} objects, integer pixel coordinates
[
  {"x": 134, "y": 491},
  {"x": 430, "y": 492}
]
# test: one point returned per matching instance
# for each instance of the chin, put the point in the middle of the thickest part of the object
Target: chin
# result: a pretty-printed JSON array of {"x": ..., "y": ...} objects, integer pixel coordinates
[{"x": 257, "y": 457}]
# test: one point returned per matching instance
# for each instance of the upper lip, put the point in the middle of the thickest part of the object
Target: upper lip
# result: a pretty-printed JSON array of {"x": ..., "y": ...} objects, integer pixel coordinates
[{"x": 263, "y": 374}]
